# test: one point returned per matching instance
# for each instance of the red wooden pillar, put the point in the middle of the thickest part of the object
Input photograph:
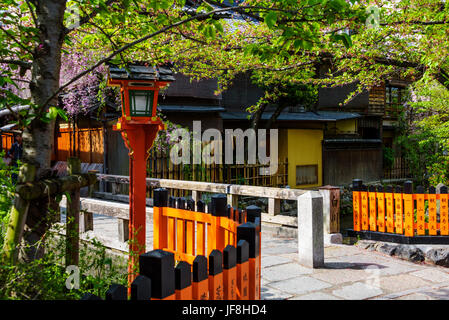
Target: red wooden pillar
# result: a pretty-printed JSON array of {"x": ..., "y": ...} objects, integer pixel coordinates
[
  {"x": 160, "y": 222},
  {"x": 215, "y": 275},
  {"x": 200, "y": 282},
  {"x": 356, "y": 202},
  {"x": 242, "y": 270},
  {"x": 138, "y": 139},
  {"x": 183, "y": 281},
  {"x": 141, "y": 288},
  {"x": 248, "y": 232},
  {"x": 230, "y": 272},
  {"x": 218, "y": 211},
  {"x": 254, "y": 215}
]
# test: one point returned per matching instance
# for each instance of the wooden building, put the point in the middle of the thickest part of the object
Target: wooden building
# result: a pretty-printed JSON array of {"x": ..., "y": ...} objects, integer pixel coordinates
[{"x": 331, "y": 145}]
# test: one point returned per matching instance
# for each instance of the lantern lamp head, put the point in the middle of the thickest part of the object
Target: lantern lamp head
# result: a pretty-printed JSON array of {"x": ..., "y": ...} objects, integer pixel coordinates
[{"x": 139, "y": 89}]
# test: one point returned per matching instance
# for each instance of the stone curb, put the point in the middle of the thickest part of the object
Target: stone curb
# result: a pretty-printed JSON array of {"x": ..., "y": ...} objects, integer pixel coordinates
[{"x": 413, "y": 253}]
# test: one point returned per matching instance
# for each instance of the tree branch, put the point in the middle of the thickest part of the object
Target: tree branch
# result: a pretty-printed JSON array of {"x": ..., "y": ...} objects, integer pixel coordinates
[
  {"x": 23, "y": 64},
  {"x": 88, "y": 17},
  {"x": 131, "y": 44},
  {"x": 33, "y": 15},
  {"x": 16, "y": 41},
  {"x": 422, "y": 23}
]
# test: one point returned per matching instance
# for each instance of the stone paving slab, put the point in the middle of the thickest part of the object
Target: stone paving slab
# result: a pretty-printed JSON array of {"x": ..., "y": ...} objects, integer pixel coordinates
[
  {"x": 433, "y": 275},
  {"x": 401, "y": 282},
  {"x": 358, "y": 291},
  {"x": 299, "y": 285},
  {"x": 430, "y": 288},
  {"x": 415, "y": 296},
  {"x": 269, "y": 261},
  {"x": 339, "y": 276},
  {"x": 316, "y": 296},
  {"x": 284, "y": 271},
  {"x": 281, "y": 249},
  {"x": 268, "y": 293},
  {"x": 438, "y": 294}
]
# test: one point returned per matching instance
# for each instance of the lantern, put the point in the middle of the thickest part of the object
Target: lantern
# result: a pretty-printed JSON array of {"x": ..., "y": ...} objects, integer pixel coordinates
[
  {"x": 139, "y": 89},
  {"x": 138, "y": 125}
]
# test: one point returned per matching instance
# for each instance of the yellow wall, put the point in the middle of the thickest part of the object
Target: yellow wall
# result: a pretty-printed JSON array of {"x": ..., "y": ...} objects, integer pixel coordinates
[
  {"x": 346, "y": 126},
  {"x": 342, "y": 127},
  {"x": 304, "y": 148},
  {"x": 283, "y": 144}
]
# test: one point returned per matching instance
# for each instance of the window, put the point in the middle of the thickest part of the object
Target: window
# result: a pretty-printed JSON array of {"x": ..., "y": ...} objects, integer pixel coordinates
[
  {"x": 141, "y": 103},
  {"x": 395, "y": 99},
  {"x": 307, "y": 174},
  {"x": 369, "y": 127}
]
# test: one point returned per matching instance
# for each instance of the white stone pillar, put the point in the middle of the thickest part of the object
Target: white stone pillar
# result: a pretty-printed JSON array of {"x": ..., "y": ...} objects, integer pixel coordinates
[{"x": 310, "y": 229}]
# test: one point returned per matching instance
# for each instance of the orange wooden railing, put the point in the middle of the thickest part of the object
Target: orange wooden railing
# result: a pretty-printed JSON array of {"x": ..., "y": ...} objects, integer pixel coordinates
[
  {"x": 400, "y": 210},
  {"x": 216, "y": 253},
  {"x": 229, "y": 276},
  {"x": 189, "y": 233}
]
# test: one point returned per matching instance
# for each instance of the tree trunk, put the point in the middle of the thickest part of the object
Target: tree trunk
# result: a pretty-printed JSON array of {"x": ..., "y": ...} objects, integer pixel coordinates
[
  {"x": 38, "y": 138},
  {"x": 281, "y": 106},
  {"x": 255, "y": 120}
]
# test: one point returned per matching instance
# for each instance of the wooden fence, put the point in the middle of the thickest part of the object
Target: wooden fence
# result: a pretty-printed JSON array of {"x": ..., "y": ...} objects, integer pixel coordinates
[
  {"x": 160, "y": 166},
  {"x": 398, "y": 170},
  {"x": 188, "y": 232},
  {"x": 29, "y": 191},
  {"x": 87, "y": 144},
  {"x": 84, "y": 143},
  {"x": 7, "y": 139},
  {"x": 195, "y": 189},
  {"x": 228, "y": 237},
  {"x": 400, "y": 211}
]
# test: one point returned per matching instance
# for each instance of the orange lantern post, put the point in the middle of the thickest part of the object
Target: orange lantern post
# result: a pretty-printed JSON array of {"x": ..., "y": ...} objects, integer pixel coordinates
[{"x": 139, "y": 125}]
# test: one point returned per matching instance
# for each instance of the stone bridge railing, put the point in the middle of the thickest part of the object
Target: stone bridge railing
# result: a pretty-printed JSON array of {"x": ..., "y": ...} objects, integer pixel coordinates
[{"x": 317, "y": 211}]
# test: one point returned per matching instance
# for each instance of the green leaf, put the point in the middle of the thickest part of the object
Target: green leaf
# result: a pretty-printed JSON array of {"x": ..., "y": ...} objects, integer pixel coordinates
[
  {"x": 338, "y": 5},
  {"x": 302, "y": 44},
  {"x": 270, "y": 19},
  {"x": 52, "y": 113},
  {"x": 346, "y": 40},
  {"x": 62, "y": 114},
  {"x": 218, "y": 26}
]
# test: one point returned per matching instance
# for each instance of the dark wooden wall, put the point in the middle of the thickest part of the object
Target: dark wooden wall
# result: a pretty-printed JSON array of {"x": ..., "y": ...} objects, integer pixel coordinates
[
  {"x": 183, "y": 87},
  {"x": 343, "y": 164},
  {"x": 118, "y": 159},
  {"x": 241, "y": 94}
]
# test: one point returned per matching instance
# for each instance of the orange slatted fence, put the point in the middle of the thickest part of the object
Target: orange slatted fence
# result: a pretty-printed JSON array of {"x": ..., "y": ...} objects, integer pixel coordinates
[
  {"x": 400, "y": 210},
  {"x": 84, "y": 143},
  {"x": 7, "y": 141},
  {"x": 189, "y": 233},
  {"x": 198, "y": 255},
  {"x": 185, "y": 232},
  {"x": 232, "y": 273}
]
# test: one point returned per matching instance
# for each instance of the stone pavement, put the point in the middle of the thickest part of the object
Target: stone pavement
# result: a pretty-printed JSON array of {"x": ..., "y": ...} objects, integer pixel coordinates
[{"x": 350, "y": 272}]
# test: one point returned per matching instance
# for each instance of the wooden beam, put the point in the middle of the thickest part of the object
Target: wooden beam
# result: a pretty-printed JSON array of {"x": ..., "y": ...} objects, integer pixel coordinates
[
  {"x": 18, "y": 216},
  {"x": 73, "y": 217},
  {"x": 47, "y": 187}
]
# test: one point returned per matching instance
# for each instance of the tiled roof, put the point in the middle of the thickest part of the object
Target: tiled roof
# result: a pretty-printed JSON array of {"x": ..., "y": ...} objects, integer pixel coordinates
[
  {"x": 179, "y": 108},
  {"x": 295, "y": 116},
  {"x": 138, "y": 72}
]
